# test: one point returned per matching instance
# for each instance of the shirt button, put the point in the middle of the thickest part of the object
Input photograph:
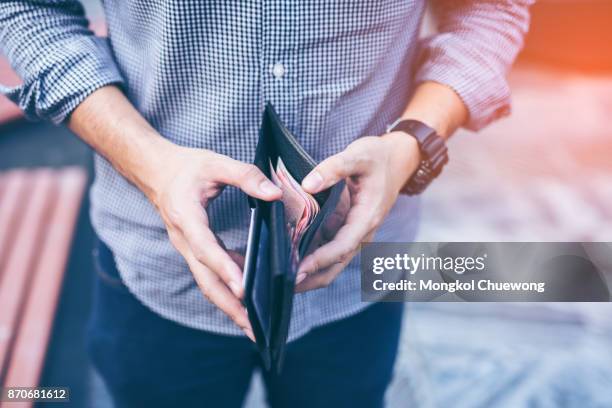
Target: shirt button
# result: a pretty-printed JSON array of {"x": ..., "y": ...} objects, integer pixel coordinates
[{"x": 278, "y": 70}]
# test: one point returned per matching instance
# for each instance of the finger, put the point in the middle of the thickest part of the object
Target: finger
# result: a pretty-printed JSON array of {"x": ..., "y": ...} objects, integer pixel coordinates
[
  {"x": 215, "y": 291},
  {"x": 206, "y": 248},
  {"x": 360, "y": 222},
  {"x": 249, "y": 179},
  {"x": 237, "y": 257},
  {"x": 208, "y": 252},
  {"x": 349, "y": 162},
  {"x": 210, "y": 285},
  {"x": 320, "y": 280}
]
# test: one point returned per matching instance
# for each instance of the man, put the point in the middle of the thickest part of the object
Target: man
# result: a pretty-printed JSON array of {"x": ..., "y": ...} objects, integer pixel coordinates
[{"x": 172, "y": 103}]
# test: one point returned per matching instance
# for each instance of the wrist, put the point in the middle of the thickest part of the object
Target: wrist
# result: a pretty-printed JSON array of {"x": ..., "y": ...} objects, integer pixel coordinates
[
  {"x": 153, "y": 169},
  {"x": 438, "y": 106},
  {"x": 404, "y": 157},
  {"x": 109, "y": 123}
]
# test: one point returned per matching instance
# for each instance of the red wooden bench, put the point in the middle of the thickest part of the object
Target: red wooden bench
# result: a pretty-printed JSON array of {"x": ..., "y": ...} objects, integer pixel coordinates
[{"x": 38, "y": 213}]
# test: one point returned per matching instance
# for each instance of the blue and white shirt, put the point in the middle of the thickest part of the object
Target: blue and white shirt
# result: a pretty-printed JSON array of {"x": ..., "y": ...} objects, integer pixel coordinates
[{"x": 201, "y": 71}]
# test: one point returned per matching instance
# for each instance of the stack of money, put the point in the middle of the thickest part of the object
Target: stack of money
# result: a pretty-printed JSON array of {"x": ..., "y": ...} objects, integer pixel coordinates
[{"x": 301, "y": 208}]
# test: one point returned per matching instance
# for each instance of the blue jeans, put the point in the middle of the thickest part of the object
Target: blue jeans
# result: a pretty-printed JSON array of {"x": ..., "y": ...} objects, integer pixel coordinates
[{"x": 149, "y": 361}]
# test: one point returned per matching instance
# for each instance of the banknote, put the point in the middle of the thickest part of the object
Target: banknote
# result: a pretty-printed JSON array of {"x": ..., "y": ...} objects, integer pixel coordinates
[{"x": 301, "y": 208}]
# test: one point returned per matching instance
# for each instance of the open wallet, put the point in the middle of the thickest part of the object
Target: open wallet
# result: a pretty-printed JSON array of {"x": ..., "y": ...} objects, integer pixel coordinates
[{"x": 281, "y": 233}]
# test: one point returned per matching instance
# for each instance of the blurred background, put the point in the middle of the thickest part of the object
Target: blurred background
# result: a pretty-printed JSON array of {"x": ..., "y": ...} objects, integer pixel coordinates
[{"x": 543, "y": 174}]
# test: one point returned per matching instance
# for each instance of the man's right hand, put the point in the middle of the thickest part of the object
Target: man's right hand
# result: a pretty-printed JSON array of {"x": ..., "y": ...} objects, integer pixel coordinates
[
  {"x": 188, "y": 180},
  {"x": 180, "y": 182}
]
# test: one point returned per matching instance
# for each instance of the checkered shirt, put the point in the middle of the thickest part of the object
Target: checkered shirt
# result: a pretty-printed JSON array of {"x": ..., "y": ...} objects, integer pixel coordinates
[{"x": 201, "y": 72}]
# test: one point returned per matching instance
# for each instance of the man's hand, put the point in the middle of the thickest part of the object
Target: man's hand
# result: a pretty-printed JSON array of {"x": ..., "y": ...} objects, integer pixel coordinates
[
  {"x": 180, "y": 182},
  {"x": 375, "y": 169},
  {"x": 189, "y": 180}
]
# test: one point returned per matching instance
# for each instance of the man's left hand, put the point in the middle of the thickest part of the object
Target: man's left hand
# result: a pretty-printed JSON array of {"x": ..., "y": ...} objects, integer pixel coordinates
[{"x": 375, "y": 169}]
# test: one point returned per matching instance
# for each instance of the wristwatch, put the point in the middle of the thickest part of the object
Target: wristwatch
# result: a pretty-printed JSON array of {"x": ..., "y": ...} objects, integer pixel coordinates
[{"x": 434, "y": 154}]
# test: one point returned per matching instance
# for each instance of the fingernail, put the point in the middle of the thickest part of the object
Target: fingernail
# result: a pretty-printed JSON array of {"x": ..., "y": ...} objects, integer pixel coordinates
[
  {"x": 267, "y": 187},
  {"x": 300, "y": 277},
  {"x": 236, "y": 288},
  {"x": 313, "y": 181}
]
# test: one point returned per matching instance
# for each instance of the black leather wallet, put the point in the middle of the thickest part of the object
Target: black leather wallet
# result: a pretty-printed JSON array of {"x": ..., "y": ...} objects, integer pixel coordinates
[{"x": 270, "y": 263}]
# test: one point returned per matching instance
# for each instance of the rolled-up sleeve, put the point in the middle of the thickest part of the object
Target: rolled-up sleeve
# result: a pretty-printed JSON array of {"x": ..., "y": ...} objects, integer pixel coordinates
[
  {"x": 58, "y": 58},
  {"x": 476, "y": 44}
]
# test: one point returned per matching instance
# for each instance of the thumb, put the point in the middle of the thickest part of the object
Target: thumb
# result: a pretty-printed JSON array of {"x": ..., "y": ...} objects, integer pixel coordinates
[
  {"x": 330, "y": 171},
  {"x": 249, "y": 179}
]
